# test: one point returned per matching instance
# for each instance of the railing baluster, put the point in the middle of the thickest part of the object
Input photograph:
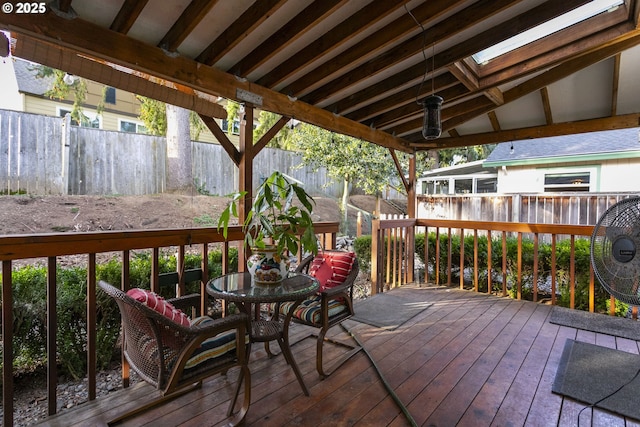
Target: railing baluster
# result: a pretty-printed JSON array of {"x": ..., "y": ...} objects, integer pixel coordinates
[
  {"x": 475, "y": 259},
  {"x": 489, "y": 262},
  {"x": 535, "y": 267},
  {"x": 553, "y": 269},
  {"x": 462, "y": 258},
  {"x": 572, "y": 272},
  {"x": 204, "y": 266},
  {"x": 449, "y": 259},
  {"x": 437, "y": 255},
  {"x": 52, "y": 327},
  {"x": 91, "y": 327},
  {"x": 7, "y": 344},
  {"x": 519, "y": 279},
  {"x": 124, "y": 285},
  {"x": 504, "y": 263}
]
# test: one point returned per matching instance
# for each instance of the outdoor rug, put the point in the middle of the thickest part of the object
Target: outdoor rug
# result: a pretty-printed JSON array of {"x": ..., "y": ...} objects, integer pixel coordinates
[
  {"x": 595, "y": 322},
  {"x": 600, "y": 376},
  {"x": 389, "y": 310}
]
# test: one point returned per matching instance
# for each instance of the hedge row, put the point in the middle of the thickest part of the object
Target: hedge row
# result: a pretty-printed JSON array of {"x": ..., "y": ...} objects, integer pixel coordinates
[{"x": 30, "y": 311}]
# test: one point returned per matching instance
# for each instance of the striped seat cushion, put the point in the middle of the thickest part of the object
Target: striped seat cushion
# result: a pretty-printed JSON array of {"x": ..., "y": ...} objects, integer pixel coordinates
[
  {"x": 310, "y": 309},
  {"x": 220, "y": 345},
  {"x": 159, "y": 304},
  {"x": 331, "y": 268}
]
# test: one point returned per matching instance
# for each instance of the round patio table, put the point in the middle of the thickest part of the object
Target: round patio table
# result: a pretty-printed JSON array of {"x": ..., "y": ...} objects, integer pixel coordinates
[{"x": 240, "y": 289}]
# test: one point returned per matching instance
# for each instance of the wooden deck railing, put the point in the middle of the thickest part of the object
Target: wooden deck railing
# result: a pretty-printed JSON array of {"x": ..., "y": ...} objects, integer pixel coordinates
[
  {"x": 393, "y": 249},
  {"x": 53, "y": 246}
]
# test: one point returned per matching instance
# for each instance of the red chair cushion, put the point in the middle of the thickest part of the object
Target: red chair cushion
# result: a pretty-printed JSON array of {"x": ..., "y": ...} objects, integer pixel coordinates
[
  {"x": 331, "y": 268},
  {"x": 159, "y": 304}
]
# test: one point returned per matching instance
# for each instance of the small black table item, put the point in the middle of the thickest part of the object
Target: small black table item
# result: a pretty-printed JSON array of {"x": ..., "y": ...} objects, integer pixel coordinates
[{"x": 240, "y": 289}]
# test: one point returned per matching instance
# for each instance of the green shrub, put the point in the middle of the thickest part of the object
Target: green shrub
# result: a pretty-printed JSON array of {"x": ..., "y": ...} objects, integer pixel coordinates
[{"x": 30, "y": 311}]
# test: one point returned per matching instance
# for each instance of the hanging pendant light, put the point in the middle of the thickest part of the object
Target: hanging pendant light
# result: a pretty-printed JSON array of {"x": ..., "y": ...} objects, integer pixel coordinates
[
  {"x": 431, "y": 124},
  {"x": 432, "y": 104},
  {"x": 5, "y": 45}
]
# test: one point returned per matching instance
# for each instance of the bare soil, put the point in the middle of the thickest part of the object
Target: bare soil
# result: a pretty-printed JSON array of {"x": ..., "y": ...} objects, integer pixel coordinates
[{"x": 51, "y": 214}]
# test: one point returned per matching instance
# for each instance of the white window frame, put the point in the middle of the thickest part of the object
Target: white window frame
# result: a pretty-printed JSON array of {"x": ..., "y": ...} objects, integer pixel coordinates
[
  {"x": 137, "y": 123},
  {"x": 591, "y": 170},
  {"x": 91, "y": 115}
]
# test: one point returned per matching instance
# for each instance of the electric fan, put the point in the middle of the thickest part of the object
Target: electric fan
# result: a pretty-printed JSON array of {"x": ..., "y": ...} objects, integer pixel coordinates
[{"x": 614, "y": 250}]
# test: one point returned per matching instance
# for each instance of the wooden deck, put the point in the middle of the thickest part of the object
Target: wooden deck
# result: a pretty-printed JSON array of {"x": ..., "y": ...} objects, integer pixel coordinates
[{"x": 467, "y": 360}]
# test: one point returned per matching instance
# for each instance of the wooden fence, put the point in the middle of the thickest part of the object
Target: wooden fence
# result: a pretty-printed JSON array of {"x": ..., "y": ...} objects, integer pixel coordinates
[
  {"x": 560, "y": 208},
  {"x": 46, "y": 155}
]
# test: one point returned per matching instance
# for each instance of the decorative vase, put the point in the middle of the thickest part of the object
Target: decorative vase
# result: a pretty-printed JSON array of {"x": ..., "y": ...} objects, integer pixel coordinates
[{"x": 266, "y": 266}]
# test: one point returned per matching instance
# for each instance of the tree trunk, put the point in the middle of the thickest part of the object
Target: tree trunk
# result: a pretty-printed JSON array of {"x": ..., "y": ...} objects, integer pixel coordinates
[
  {"x": 179, "y": 165},
  {"x": 345, "y": 200}
]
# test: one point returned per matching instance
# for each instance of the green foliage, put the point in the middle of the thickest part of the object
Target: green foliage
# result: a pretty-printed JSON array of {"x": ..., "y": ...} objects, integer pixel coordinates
[
  {"x": 281, "y": 210},
  {"x": 154, "y": 115},
  {"x": 562, "y": 252},
  {"x": 362, "y": 248},
  {"x": 60, "y": 90},
  {"x": 30, "y": 310},
  {"x": 282, "y": 140}
]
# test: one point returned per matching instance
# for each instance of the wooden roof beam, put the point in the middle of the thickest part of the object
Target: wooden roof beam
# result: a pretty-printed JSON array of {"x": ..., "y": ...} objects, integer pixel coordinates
[
  {"x": 257, "y": 13},
  {"x": 303, "y": 22},
  {"x": 559, "y": 72},
  {"x": 52, "y": 55},
  {"x": 556, "y": 129},
  {"x": 127, "y": 15},
  {"x": 369, "y": 109},
  {"x": 546, "y": 105},
  {"x": 94, "y": 41},
  {"x": 188, "y": 20},
  {"x": 332, "y": 39},
  {"x": 376, "y": 42},
  {"x": 468, "y": 47}
]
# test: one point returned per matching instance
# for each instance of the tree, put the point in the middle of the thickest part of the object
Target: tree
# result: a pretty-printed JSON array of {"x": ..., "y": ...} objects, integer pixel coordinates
[
  {"x": 62, "y": 88},
  {"x": 355, "y": 162}
]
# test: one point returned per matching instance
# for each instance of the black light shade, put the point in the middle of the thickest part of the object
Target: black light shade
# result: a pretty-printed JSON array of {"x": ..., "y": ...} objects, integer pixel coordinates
[
  {"x": 431, "y": 126},
  {"x": 5, "y": 47}
]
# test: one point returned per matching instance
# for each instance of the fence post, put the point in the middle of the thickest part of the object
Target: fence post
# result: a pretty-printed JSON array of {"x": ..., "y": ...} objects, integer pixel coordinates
[{"x": 65, "y": 139}]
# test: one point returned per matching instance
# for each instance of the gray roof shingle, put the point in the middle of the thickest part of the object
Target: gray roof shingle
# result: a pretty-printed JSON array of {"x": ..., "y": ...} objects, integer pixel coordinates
[{"x": 26, "y": 77}]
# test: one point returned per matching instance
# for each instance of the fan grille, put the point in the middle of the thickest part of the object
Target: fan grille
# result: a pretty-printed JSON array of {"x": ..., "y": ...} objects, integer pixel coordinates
[{"x": 614, "y": 258}]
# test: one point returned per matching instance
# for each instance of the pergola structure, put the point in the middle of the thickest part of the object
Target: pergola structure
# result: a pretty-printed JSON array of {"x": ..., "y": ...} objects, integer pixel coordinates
[{"x": 356, "y": 67}]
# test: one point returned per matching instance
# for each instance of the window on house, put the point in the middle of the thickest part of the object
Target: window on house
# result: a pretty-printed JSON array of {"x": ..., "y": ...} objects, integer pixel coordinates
[
  {"x": 89, "y": 120},
  {"x": 236, "y": 126},
  {"x": 566, "y": 20},
  {"x": 463, "y": 186},
  {"x": 486, "y": 185},
  {"x": 571, "y": 181},
  {"x": 110, "y": 95},
  {"x": 437, "y": 186},
  {"x": 134, "y": 127}
]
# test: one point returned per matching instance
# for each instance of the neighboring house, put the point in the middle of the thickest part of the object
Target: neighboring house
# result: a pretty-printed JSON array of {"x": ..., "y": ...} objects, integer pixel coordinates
[
  {"x": 465, "y": 178},
  {"x": 23, "y": 91},
  {"x": 605, "y": 161}
]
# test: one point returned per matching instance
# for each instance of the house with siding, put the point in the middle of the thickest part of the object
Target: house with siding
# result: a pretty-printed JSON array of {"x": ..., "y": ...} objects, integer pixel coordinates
[
  {"x": 23, "y": 91},
  {"x": 604, "y": 161}
]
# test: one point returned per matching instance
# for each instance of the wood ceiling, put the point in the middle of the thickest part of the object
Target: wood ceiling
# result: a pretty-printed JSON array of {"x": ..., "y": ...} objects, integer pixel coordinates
[{"x": 356, "y": 67}]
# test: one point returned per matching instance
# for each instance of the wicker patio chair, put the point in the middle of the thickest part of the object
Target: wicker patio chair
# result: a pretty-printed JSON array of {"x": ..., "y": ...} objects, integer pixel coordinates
[
  {"x": 176, "y": 358},
  {"x": 329, "y": 307}
]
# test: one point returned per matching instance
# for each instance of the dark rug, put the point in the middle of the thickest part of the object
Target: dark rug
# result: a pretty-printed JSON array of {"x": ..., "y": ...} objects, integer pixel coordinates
[
  {"x": 600, "y": 376},
  {"x": 602, "y": 323},
  {"x": 391, "y": 309}
]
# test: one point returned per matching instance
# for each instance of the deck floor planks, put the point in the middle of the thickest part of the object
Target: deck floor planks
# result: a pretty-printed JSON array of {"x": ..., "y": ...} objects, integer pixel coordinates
[
  {"x": 467, "y": 360},
  {"x": 489, "y": 400},
  {"x": 528, "y": 376},
  {"x": 464, "y": 391},
  {"x": 417, "y": 389},
  {"x": 545, "y": 407}
]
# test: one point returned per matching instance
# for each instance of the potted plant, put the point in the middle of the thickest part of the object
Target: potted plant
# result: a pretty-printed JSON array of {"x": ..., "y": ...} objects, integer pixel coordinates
[{"x": 279, "y": 220}]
